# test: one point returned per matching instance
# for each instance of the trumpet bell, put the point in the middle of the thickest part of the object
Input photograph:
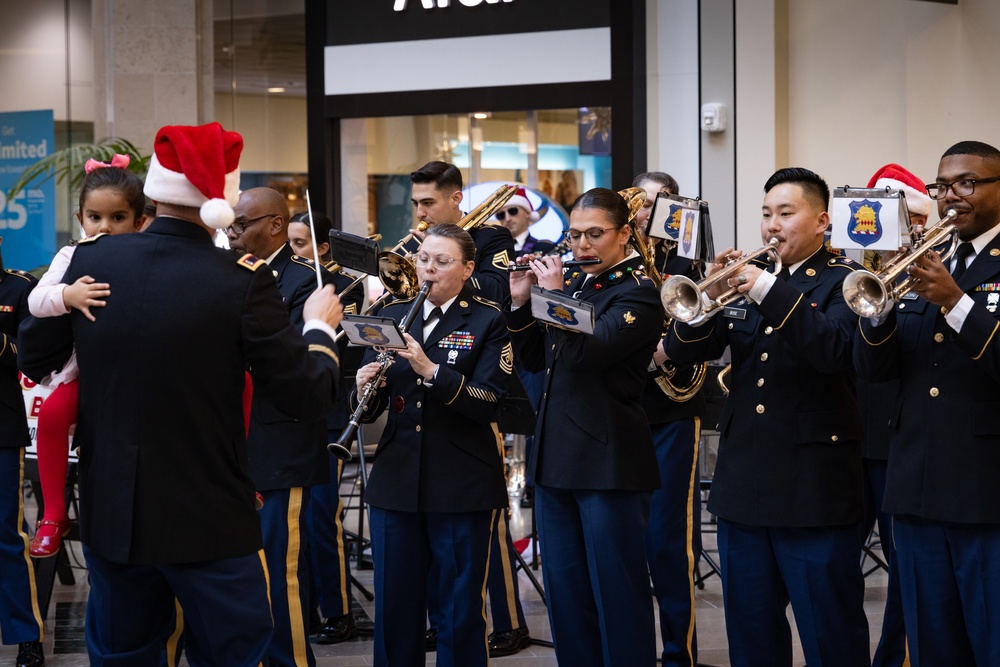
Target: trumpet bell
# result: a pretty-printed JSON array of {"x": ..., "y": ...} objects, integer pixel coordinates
[
  {"x": 865, "y": 294},
  {"x": 681, "y": 298}
]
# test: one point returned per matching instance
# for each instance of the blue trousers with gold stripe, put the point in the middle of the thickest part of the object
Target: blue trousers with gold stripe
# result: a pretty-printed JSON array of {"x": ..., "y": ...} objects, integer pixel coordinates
[
  {"x": 286, "y": 550},
  {"x": 505, "y": 601},
  {"x": 131, "y": 612},
  {"x": 673, "y": 537},
  {"x": 20, "y": 619},
  {"x": 328, "y": 562},
  {"x": 406, "y": 548}
]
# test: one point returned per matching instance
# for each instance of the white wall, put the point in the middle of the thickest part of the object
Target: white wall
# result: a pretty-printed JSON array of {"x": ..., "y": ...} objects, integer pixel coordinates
[{"x": 33, "y": 58}]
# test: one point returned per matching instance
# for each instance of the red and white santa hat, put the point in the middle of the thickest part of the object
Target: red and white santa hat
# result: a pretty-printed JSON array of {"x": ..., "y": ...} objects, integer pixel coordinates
[
  {"x": 197, "y": 166},
  {"x": 898, "y": 178},
  {"x": 520, "y": 198}
]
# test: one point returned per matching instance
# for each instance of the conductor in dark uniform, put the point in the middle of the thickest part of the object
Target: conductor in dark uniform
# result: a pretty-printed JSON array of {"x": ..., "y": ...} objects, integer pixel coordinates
[
  {"x": 167, "y": 504},
  {"x": 787, "y": 487},
  {"x": 20, "y": 620},
  {"x": 437, "y": 481},
  {"x": 941, "y": 342},
  {"x": 287, "y": 455},
  {"x": 592, "y": 463}
]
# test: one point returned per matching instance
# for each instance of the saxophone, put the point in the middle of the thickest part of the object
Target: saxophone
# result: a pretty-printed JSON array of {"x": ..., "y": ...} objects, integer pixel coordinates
[{"x": 679, "y": 383}]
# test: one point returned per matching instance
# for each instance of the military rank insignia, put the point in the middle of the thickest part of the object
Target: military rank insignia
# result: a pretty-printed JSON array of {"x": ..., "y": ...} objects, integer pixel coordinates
[
  {"x": 501, "y": 260},
  {"x": 629, "y": 318},
  {"x": 457, "y": 340},
  {"x": 507, "y": 359},
  {"x": 248, "y": 261}
]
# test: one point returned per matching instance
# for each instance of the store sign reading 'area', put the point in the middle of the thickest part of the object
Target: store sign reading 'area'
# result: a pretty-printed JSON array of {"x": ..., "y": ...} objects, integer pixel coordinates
[{"x": 400, "y": 5}]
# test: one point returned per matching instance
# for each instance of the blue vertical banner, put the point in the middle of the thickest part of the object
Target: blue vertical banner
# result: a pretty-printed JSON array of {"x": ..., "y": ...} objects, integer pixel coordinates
[{"x": 28, "y": 221}]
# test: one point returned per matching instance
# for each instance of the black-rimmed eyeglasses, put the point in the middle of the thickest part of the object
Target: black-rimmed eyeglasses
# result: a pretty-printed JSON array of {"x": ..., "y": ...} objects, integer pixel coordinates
[
  {"x": 962, "y": 188},
  {"x": 239, "y": 226}
]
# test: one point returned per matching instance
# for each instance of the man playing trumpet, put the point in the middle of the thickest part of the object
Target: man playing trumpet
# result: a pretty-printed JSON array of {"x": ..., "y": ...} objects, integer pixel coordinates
[
  {"x": 944, "y": 456},
  {"x": 787, "y": 485}
]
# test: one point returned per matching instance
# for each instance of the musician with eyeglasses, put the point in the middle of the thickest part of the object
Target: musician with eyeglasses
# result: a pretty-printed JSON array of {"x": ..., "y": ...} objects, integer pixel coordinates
[
  {"x": 437, "y": 483},
  {"x": 787, "y": 486},
  {"x": 673, "y": 534},
  {"x": 941, "y": 342},
  {"x": 592, "y": 464}
]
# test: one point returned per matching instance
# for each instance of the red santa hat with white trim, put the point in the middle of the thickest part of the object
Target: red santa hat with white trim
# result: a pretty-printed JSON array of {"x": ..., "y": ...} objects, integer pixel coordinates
[
  {"x": 520, "y": 198},
  {"x": 897, "y": 178},
  {"x": 197, "y": 166}
]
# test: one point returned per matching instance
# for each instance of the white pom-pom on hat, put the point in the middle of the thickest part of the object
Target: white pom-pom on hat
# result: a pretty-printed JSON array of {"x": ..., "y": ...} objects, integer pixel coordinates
[{"x": 217, "y": 213}]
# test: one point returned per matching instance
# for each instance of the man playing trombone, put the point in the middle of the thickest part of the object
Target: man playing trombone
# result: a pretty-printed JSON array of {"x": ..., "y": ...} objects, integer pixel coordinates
[
  {"x": 941, "y": 341},
  {"x": 787, "y": 485}
]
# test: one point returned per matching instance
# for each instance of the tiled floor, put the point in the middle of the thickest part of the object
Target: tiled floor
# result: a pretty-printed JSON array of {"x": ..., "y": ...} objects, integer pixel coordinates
[{"x": 64, "y": 632}]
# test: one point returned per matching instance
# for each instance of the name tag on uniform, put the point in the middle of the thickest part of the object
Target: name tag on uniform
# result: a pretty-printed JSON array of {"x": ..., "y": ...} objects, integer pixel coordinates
[
  {"x": 910, "y": 296},
  {"x": 735, "y": 313}
]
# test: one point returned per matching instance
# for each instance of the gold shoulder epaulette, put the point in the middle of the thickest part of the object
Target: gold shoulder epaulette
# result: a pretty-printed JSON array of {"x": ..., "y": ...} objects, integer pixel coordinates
[
  {"x": 485, "y": 301},
  {"x": 843, "y": 262},
  {"x": 248, "y": 261},
  {"x": 20, "y": 274},
  {"x": 304, "y": 261},
  {"x": 90, "y": 239}
]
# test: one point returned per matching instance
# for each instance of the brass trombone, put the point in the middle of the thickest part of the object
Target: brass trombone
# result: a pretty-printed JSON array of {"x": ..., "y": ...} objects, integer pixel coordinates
[
  {"x": 868, "y": 294},
  {"x": 397, "y": 273},
  {"x": 686, "y": 300}
]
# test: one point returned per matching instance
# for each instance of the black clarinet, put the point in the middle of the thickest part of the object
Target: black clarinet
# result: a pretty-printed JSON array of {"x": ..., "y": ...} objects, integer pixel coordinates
[{"x": 342, "y": 448}]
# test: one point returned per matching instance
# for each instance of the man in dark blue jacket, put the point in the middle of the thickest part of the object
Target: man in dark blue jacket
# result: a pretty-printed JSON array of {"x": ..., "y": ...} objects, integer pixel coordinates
[
  {"x": 944, "y": 456},
  {"x": 787, "y": 485}
]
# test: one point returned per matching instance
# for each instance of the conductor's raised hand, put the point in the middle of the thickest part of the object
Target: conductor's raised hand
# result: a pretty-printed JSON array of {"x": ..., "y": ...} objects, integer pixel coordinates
[
  {"x": 934, "y": 281},
  {"x": 324, "y": 304}
]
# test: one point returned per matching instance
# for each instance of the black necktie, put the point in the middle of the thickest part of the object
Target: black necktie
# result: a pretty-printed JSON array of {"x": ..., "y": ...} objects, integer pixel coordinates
[
  {"x": 963, "y": 252},
  {"x": 431, "y": 321}
]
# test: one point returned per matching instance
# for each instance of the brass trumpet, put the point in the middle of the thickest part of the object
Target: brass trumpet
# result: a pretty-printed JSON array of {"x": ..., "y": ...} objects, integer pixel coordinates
[
  {"x": 686, "y": 300},
  {"x": 868, "y": 294}
]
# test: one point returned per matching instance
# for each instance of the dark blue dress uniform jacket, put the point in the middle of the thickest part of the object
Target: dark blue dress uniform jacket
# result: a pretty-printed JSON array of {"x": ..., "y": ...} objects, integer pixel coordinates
[
  {"x": 660, "y": 408},
  {"x": 440, "y": 450},
  {"x": 287, "y": 452},
  {"x": 163, "y": 464},
  {"x": 14, "y": 288},
  {"x": 944, "y": 456},
  {"x": 592, "y": 432},
  {"x": 790, "y": 450}
]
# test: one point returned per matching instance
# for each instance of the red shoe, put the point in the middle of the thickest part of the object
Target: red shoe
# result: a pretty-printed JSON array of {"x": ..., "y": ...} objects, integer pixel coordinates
[{"x": 48, "y": 537}]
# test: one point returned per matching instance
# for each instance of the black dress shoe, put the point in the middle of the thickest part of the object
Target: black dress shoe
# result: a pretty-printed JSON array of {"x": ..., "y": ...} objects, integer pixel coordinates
[
  {"x": 29, "y": 654},
  {"x": 508, "y": 643},
  {"x": 337, "y": 630},
  {"x": 527, "y": 498},
  {"x": 431, "y": 640}
]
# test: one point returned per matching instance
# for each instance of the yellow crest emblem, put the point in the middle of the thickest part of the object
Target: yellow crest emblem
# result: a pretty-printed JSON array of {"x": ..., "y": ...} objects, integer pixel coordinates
[{"x": 628, "y": 317}]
